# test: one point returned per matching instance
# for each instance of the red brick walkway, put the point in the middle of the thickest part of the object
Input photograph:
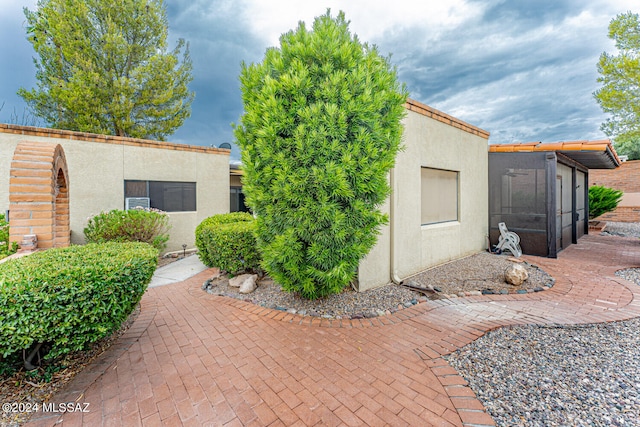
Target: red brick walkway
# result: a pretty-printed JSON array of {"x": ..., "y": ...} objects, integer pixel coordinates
[{"x": 195, "y": 359}]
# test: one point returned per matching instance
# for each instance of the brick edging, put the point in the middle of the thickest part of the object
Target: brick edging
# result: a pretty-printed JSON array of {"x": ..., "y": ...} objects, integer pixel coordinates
[
  {"x": 378, "y": 321},
  {"x": 561, "y": 288},
  {"x": 469, "y": 408},
  {"x": 283, "y": 316}
]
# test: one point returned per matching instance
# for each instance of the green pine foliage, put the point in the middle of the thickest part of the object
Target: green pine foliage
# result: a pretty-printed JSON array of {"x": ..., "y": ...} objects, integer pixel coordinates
[
  {"x": 602, "y": 200},
  {"x": 103, "y": 66},
  {"x": 320, "y": 132}
]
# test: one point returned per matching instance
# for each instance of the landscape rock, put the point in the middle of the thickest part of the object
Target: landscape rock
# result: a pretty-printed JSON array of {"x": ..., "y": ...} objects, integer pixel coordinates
[
  {"x": 236, "y": 281},
  {"x": 516, "y": 274},
  {"x": 249, "y": 284}
]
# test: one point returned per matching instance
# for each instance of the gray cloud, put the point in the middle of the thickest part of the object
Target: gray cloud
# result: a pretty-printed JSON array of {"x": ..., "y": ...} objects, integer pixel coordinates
[{"x": 522, "y": 70}]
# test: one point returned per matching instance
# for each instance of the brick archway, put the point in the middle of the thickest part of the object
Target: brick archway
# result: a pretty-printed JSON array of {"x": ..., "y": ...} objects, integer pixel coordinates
[{"x": 39, "y": 194}]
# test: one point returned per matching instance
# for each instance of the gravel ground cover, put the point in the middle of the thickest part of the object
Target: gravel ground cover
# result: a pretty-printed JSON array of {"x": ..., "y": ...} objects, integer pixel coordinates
[
  {"x": 559, "y": 376},
  {"x": 474, "y": 275},
  {"x": 482, "y": 273},
  {"x": 625, "y": 229}
]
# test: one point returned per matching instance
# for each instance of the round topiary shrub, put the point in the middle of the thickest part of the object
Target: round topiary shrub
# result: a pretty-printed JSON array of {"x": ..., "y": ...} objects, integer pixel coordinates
[
  {"x": 134, "y": 225},
  {"x": 228, "y": 241},
  {"x": 67, "y": 298}
]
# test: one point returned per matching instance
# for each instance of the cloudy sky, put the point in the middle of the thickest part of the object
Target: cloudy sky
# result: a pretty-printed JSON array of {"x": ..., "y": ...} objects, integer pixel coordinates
[{"x": 524, "y": 70}]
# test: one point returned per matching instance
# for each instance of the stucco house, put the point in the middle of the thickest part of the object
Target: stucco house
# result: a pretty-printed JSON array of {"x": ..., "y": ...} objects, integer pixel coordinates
[
  {"x": 191, "y": 183},
  {"x": 438, "y": 206}
]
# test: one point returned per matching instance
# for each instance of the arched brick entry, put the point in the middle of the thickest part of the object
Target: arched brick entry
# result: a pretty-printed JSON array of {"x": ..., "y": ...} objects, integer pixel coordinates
[{"x": 39, "y": 194}]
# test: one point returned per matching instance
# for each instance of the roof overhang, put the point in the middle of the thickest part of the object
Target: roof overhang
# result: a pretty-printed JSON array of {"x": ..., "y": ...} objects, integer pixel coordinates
[
  {"x": 591, "y": 154},
  {"x": 235, "y": 168}
]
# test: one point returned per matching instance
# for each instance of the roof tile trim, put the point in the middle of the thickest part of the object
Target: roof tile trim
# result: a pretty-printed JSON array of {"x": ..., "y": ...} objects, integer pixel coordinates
[
  {"x": 598, "y": 145},
  {"x": 107, "y": 139},
  {"x": 425, "y": 110},
  {"x": 603, "y": 145}
]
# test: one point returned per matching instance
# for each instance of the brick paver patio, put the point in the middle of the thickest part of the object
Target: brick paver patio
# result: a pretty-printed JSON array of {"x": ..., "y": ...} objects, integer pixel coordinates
[{"x": 195, "y": 359}]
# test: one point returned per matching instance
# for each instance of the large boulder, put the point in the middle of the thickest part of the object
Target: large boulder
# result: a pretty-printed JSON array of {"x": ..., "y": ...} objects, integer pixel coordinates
[
  {"x": 516, "y": 274},
  {"x": 249, "y": 284},
  {"x": 236, "y": 281}
]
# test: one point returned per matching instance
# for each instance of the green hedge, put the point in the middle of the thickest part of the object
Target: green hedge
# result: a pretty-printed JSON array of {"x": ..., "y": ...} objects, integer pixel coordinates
[
  {"x": 70, "y": 297},
  {"x": 228, "y": 241},
  {"x": 6, "y": 248},
  {"x": 134, "y": 225}
]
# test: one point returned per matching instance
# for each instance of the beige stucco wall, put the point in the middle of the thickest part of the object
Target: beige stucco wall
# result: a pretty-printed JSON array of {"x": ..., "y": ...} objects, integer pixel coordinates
[
  {"x": 430, "y": 142},
  {"x": 375, "y": 269},
  {"x": 97, "y": 171}
]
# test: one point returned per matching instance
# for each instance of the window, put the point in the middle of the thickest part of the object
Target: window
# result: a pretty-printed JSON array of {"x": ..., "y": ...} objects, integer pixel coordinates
[
  {"x": 237, "y": 200},
  {"x": 164, "y": 195},
  {"x": 439, "y": 196}
]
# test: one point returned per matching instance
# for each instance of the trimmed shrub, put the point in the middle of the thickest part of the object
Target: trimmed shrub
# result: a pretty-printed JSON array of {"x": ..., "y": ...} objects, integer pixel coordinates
[
  {"x": 70, "y": 297},
  {"x": 6, "y": 248},
  {"x": 133, "y": 225},
  {"x": 602, "y": 200},
  {"x": 228, "y": 241},
  {"x": 321, "y": 130}
]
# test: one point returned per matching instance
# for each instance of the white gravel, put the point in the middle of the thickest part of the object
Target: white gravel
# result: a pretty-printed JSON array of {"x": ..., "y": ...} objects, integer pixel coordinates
[
  {"x": 559, "y": 376},
  {"x": 626, "y": 229}
]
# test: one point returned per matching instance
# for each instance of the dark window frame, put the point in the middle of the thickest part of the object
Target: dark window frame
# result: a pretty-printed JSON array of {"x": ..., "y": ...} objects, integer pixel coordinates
[{"x": 156, "y": 191}]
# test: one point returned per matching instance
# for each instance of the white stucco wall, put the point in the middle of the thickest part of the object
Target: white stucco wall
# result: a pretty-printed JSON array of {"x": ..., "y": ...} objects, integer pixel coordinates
[
  {"x": 97, "y": 171},
  {"x": 432, "y": 143}
]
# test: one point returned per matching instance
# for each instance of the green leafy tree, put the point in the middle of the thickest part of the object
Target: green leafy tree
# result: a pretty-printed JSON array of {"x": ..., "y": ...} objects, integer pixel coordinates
[
  {"x": 104, "y": 67},
  {"x": 320, "y": 132},
  {"x": 629, "y": 146},
  {"x": 620, "y": 78},
  {"x": 602, "y": 200}
]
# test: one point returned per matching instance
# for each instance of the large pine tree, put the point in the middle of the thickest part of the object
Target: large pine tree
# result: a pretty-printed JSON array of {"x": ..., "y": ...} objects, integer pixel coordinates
[{"x": 103, "y": 67}]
